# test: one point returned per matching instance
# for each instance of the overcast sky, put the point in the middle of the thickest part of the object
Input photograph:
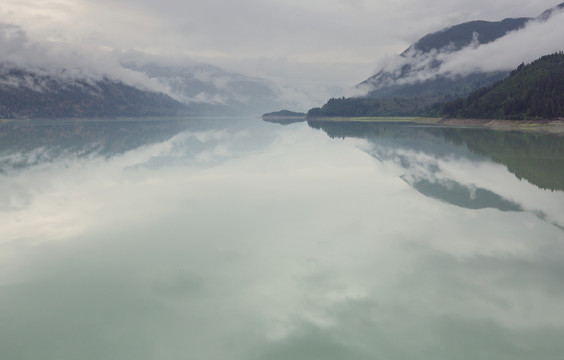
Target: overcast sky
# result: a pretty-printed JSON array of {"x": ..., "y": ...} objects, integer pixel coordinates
[{"x": 323, "y": 42}]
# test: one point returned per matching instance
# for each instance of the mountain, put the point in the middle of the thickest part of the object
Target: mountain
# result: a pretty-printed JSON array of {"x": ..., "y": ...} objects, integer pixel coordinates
[
  {"x": 415, "y": 82},
  {"x": 533, "y": 91},
  {"x": 459, "y": 36},
  {"x": 38, "y": 79},
  {"x": 37, "y": 94},
  {"x": 548, "y": 13},
  {"x": 211, "y": 90},
  {"x": 417, "y": 71},
  {"x": 196, "y": 89},
  {"x": 421, "y": 60}
]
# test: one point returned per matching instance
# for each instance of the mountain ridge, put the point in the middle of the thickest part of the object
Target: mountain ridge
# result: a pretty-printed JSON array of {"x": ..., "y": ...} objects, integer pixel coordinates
[
  {"x": 416, "y": 84},
  {"x": 211, "y": 90},
  {"x": 32, "y": 94}
]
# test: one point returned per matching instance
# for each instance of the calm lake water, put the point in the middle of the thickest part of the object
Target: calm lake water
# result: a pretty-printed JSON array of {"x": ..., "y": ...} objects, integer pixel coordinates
[{"x": 241, "y": 239}]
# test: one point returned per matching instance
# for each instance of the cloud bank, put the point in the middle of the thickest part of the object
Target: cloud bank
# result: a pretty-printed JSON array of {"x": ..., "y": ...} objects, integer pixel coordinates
[
  {"x": 305, "y": 51},
  {"x": 538, "y": 37}
]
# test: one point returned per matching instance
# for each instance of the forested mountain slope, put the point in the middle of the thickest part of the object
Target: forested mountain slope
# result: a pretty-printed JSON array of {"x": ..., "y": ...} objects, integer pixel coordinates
[
  {"x": 26, "y": 93},
  {"x": 533, "y": 91}
]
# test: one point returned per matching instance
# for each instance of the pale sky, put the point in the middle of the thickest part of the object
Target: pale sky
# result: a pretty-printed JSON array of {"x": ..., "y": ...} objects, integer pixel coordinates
[{"x": 319, "y": 43}]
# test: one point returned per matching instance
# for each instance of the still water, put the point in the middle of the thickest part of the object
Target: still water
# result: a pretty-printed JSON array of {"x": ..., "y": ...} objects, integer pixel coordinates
[{"x": 240, "y": 239}]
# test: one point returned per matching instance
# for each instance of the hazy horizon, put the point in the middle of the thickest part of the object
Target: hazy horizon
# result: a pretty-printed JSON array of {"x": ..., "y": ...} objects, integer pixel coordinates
[{"x": 308, "y": 52}]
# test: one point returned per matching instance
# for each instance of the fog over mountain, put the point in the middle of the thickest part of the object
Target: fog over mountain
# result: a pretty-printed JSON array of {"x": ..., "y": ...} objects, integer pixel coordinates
[
  {"x": 211, "y": 89},
  {"x": 484, "y": 50},
  {"x": 256, "y": 56},
  {"x": 65, "y": 61},
  {"x": 207, "y": 89}
]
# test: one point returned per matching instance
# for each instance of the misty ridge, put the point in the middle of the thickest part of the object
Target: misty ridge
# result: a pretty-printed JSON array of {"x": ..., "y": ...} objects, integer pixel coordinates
[
  {"x": 439, "y": 66},
  {"x": 476, "y": 51},
  {"x": 461, "y": 63},
  {"x": 38, "y": 70}
]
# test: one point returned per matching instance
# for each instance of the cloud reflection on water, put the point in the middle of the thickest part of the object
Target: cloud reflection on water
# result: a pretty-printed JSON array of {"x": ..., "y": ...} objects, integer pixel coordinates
[{"x": 266, "y": 242}]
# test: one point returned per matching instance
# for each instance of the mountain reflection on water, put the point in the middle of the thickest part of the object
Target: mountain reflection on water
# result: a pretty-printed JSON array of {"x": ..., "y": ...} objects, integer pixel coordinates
[
  {"x": 25, "y": 143},
  {"x": 240, "y": 239},
  {"x": 423, "y": 151},
  {"x": 537, "y": 158}
]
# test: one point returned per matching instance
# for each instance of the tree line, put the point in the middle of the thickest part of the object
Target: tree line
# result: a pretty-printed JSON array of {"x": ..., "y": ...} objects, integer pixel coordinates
[{"x": 533, "y": 91}]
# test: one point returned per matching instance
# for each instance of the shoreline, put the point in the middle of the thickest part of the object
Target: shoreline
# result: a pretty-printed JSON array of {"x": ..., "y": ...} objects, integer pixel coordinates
[{"x": 553, "y": 126}]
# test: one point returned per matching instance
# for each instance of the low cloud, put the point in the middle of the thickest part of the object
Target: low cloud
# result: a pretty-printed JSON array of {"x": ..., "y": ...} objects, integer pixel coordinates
[
  {"x": 308, "y": 53},
  {"x": 185, "y": 79},
  {"x": 66, "y": 62},
  {"x": 539, "y": 37}
]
